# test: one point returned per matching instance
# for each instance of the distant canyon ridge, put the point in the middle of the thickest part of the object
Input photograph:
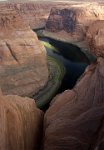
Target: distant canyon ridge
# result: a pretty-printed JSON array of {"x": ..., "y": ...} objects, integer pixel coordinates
[{"x": 34, "y": 13}]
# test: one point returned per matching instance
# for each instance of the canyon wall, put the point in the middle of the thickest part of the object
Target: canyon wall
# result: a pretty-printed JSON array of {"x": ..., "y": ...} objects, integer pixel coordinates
[
  {"x": 22, "y": 56},
  {"x": 70, "y": 24},
  {"x": 75, "y": 118},
  {"x": 21, "y": 123},
  {"x": 34, "y": 13}
]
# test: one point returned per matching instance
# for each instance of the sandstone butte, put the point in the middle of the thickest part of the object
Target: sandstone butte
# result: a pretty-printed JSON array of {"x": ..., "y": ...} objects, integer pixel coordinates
[
  {"x": 20, "y": 123},
  {"x": 23, "y": 63},
  {"x": 70, "y": 24}
]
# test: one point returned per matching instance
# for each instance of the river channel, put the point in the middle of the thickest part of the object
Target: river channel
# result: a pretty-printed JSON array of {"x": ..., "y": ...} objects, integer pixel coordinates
[{"x": 68, "y": 56}]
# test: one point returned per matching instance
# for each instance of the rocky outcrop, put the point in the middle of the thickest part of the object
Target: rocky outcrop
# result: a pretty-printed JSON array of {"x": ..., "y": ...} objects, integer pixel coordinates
[
  {"x": 20, "y": 123},
  {"x": 75, "y": 119},
  {"x": 34, "y": 13},
  {"x": 22, "y": 57},
  {"x": 74, "y": 20},
  {"x": 95, "y": 38},
  {"x": 70, "y": 24}
]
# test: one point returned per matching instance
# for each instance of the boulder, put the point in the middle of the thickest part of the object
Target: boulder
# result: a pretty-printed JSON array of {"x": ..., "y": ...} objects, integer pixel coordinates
[
  {"x": 75, "y": 118},
  {"x": 20, "y": 123},
  {"x": 22, "y": 57},
  {"x": 95, "y": 38}
]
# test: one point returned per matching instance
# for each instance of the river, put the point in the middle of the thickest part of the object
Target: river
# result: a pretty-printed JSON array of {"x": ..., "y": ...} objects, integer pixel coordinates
[
  {"x": 74, "y": 64},
  {"x": 68, "y": 56}
]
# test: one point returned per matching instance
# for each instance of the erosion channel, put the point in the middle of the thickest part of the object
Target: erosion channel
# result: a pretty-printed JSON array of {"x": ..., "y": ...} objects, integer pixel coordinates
[{"x": 66, "y": 64}]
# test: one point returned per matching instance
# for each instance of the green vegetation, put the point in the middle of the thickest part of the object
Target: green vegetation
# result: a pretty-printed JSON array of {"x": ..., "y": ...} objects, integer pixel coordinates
[
  {"x": 56, "y": 74},
  {"x": 79, "y": 44},
  {"x": 49, "y": 46}
]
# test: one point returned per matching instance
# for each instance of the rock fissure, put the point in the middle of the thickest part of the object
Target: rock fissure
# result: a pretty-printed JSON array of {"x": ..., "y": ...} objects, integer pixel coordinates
[{"x": 12, "y": 53}]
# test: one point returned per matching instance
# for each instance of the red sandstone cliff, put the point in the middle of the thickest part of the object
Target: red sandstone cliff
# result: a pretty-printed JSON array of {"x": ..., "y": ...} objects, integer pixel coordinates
[
  {"x": 34, "y": 13},
  {"x": 20, "y": 123},
  {"x": 70, "y": 24},
  {"x": 75, "y": 119},
  {"x": 22, "y": 57}
]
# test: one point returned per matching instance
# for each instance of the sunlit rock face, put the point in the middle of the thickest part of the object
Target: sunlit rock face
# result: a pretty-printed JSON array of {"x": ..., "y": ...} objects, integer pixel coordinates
[
  {"x": 21, "y": 123},
  {"x": 95, "y": 38},
  {"x": 34, "y": 13},
  {"x": 71, "y": 23},
  {"x": 75, "y": 119},
  {"x": 22, "y": 57}
]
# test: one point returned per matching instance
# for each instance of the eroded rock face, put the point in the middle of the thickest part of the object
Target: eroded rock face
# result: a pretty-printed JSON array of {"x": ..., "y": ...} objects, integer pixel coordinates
[
  {"x": 34, "y": 13},
  {"x": 71, "y": 23},
  {"x": 22, "y": 57},
  {"x": 75, "y": 119},
  {"x": 95, "y": 38},
  {"x": 21, "y": 123}
]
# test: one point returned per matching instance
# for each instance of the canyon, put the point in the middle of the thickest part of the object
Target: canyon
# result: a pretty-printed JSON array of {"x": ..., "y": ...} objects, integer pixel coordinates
[
  {"x": 70, "y": 24},
  {"x": 32, "y": 70},
  {"x": 74, "y": 119}
]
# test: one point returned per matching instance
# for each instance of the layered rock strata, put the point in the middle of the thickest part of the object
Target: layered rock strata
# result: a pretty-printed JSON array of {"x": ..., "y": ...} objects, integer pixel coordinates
[
  {"x": 70, "y": 24},
  {"x": 74, "y": 20},
  {"x": 23, "y": 64},
  {"x": 20, "y": 123},
  {"x": 34, "y": 13},
  {"x": 75, "y": 119}
]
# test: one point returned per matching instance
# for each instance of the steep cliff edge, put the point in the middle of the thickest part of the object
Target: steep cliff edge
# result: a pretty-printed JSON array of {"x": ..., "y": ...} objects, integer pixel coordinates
[
  {"x": 22, "y": 57},
  {"x": 75, "y": 119},
  {"x": 34, "y": 13},
  {"x": 70, "y": 24},
  {"x": 21, "y": 123}
]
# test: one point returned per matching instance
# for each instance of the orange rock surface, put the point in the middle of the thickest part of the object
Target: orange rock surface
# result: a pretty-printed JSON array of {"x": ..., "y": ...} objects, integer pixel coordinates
[
  {"x": 75, "y": 119},
  {"x": 22, "y": 57},
  {"x": 70, "y": 24},
  {"x": 20, "y": 123}
]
